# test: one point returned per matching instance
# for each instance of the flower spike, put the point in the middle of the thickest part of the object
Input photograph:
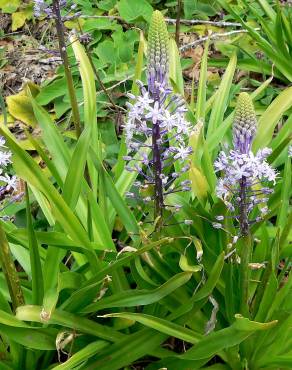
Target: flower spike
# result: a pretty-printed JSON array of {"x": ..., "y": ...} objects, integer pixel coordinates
[
  {"x": 246, "y": 179},
  {"x": 156, "y": 129}
]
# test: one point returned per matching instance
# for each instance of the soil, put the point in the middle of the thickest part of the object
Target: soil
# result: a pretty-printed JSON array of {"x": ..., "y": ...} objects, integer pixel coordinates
[{"x": 29, "y": 55}]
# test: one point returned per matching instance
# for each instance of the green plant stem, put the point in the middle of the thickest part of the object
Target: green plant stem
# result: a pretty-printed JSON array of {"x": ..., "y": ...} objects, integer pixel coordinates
[
  {"x": 245, "y": 257},
  {"x": 10, "y": 272},
  {"x": 68, "y": 75},
  {"x": 177, "y": 22}
]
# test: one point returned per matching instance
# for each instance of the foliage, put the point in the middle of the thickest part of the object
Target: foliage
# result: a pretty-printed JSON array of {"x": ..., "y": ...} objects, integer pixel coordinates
[{"x": 98, "y": 281}]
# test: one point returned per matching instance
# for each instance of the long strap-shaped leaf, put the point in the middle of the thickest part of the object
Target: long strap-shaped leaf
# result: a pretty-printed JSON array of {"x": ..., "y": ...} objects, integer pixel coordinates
[
  {"x": 133, "y": 298},
  {"x": 220, "y": 103},
  {"x": 27, "y": 169}
]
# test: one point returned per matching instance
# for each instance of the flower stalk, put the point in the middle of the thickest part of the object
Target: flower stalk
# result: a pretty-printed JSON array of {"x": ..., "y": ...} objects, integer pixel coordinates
[
  {"x": 156, "y": 130},
  {"x": 244, "y": 186},
  {"x": 64, "y": 56}
]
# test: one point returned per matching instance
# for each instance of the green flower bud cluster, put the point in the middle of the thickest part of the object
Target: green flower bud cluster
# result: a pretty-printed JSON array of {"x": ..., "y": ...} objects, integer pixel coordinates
[
  {"x": 244, "y": 124},
  {"x": 158, "y": 47}
]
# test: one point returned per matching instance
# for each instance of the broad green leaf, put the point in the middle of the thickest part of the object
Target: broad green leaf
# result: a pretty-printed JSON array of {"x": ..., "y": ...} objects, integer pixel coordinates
[
  {"x": 139, "y": 64},
  {"x": 19, "y": 106},
  {"x": 200, "y": 185},
  {"x": 279, "y": 298},
  {"x": 53, "y": 139},
  {"x": 23, "y": 334},
  {"x": 123, "y": 261},
  {"x": 211, "y": 344},
  {"x": 202, "y": 88},
  {"x": 42, "y": 339},
  {"x": 27, "y": 169},
  {"x": 268, "y": 9},
  {"x": 75, "y": 174},
  {"x": 9, "y": 6},
  {"x": 161, "y": 325},
  {"x": 52, "y": 91},
  {"x": 121, "y": 207},
  {"x": 18, "y": 20},
  {"x": 285, "y": 194},
  {"x": 35, "y": 261},
  {"x": 69, "y": 320},
  {"x": 268, "y": 297},
  {"x": 81, "y": 356},
  {"x": 143, "y": 297},
  {"x": 270, "y": 118},
  {"x": 175, "y": 70},
  {"x": 106, "y": 52},
  {"x": 132, "y": 10},
  {"x": 127, "y": 350},
  {"x": 220, "y": 103}
]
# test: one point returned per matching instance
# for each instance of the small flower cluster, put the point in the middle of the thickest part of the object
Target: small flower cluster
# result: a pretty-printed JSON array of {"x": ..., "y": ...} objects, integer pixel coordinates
[
  {"x": 246, "y": 177},
  {"x": 173, "y": 135},
  {"x": 156, "y": 129},
  {"x": 7, "y": 182},
  {"x": 255, "y": 170},
  {"x": 169, "y": 114},
  {"x": 42, "y": 8}
]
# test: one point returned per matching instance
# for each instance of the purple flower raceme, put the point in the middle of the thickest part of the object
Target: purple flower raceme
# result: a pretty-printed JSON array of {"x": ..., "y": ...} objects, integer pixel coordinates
[
  {"x": 247, "y": 177},
  {"x": 156, "y": 130},
  {"x": 7, "y": 183},
  {"x": 41, "y": 7}
]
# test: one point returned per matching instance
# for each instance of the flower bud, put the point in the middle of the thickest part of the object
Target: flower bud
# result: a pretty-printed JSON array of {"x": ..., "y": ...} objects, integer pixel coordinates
[
  {"x": 244, "y": 124},
  {"x": 158, "y": 51}
]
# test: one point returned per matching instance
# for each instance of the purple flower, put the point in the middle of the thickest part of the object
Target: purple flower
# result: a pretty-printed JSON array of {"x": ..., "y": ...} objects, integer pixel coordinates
[
  {"x": 156, "y": 130},
  {"x": 245, "y": 177}
]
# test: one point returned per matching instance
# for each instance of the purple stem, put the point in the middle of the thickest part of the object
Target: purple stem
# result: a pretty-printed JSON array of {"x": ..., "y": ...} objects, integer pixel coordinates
[
  {"x": 157, "y": 169},
  {"x": 243, "y": 216}
]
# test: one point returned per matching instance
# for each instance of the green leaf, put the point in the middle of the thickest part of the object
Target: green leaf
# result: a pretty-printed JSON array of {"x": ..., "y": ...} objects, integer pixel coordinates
[
  {"x": 81, "y": 356},
  {"x": 200, "y": 185},
  {"x": 53, "y": 139},
  {"x": 69, "y": 320},
  {"x": 25, "y": 335},
  {"x": 42, "y": 339},
  {"x": 27, "y": 169},
  {"x": 139, "y": 64},
  {"x": 121, "y": 207},
  {"x": 75, "y": 174},
  {"x": 52, "y": 91},
  {"x": 221, "y": 99},
  {"x": 133, "y": 298},
  {"x": 270, "y": 118},
  {"x": 133, "y": 10},
  {"x": 106, "y": 51},
  {"x": 123, "y": 261},
  {"x": 19, "y": 106},
  {"x": 35, "y": 261},
  {"x": 202, "y": 88},
  {"x": 18, "y": 20},
  {"x": 9, "y": 6},
  {"x": 217, "y": 341},
  {"x": 268, "y": 297},
  {"x": 175, "y": 70},
  {"x": 285, "y": 195},
  {"x": 161, "y": 325}
]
